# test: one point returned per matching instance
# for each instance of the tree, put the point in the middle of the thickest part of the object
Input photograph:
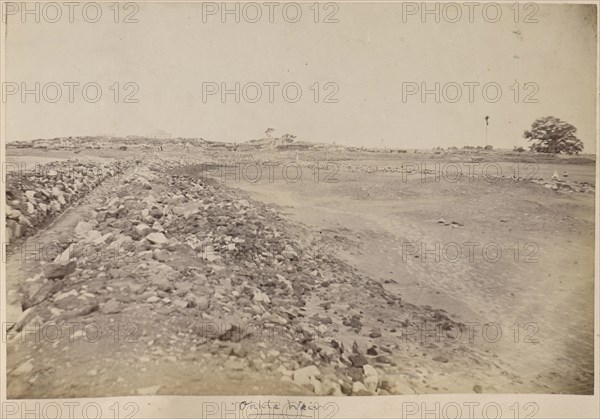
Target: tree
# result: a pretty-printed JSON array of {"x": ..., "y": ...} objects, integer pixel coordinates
[
  {"x": 551, "y": 135},
  {"x": 288, "y": 137},
  {"x": 269, "y": 132}
]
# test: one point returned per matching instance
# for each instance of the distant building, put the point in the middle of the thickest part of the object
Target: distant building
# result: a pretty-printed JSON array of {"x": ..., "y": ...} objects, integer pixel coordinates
[{"x": 160, "y": 135}]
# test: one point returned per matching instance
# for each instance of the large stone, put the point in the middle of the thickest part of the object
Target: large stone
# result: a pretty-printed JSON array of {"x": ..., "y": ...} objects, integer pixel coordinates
[
  {"x": 56, "y": 271},
  {"x": 24, "y": 369},
  {"x": 261, "y": 297},
  {"x": 200, "y": 302},
  {"x": 83, "y": 227},
  {"x": 162, "y": 283},
  {"x": 142, "y": 228},
  {"x": 330, "y": 388},
  {"x": 371, "y": 378},
  {"x": 359, "y": 389},
  {"x": 179, "y": 211},
  {"x": 182, "y": 287},
  {"x": 156, "y": 212},
  {"x": 59, "y": 195},
  {"x": 157, "y": 238},
  {"x": 30, "y": 196},
  {"x": 148, "y": 391},
  {"x": 303, "y": 376},
  {"x": 13, "y": 213},
  {"x": 112, "y": 306},
  {"x": 396, "y": 385},
  {"x": 369, "y": 371},
  {"x": 180, "y": 303},
  {"x": 358, "y": 360},
  {"x": 93, "y": 236},
  {"x": 274, "y": 318},
  {"x": 239, "y": 350}
]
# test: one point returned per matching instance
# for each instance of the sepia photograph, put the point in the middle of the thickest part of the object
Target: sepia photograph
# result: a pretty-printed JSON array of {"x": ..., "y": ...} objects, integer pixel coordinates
[{"x": 292, "y": 204}]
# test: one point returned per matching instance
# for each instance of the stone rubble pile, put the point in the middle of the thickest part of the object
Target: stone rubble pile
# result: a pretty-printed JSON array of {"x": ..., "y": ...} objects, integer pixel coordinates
[
  {"x": 198, "y": 263},
  {"x": 566, "y": 186},
  {"x": 554, "y": 184},
  {"x": 410, "y": 170},
  {"x": 33, "y": 197}
]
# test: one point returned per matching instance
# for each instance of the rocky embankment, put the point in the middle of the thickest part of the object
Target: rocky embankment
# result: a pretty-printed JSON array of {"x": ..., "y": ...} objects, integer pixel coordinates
[
  {"x": 34, "y": 197},
  {"x": 210, "y": 280}
]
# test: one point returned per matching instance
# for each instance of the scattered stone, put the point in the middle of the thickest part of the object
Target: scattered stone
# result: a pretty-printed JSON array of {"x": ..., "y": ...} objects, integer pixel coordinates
[
  {"x": 238, "y": 350},
  {"x": 162, "y": 283},
  {"x": 359, "y": 389},
  {"x": 180, "y": 303},
  {"x": 94, "y": 236},
  {"x": 24, "y": 369},
  {"x": 157, "y": 238},
  {"x": 331, "y": 388},
  {"x": 302, "y": 376},
  {"x": 57, "y": 271},
  {"x": 83, "y": 227},
  {"x": 369, "y": 371},
  {"x": 261, "y": 297},
  {"x": 382, "y": 359},
  {"x": 357, "y": 359},
  {"x": 274, "y": 318},
  {"x": 316, "y": 385},
  {"x": 161, "y": 255},
  {"x": 142, "y": 229},
  {"x": 30, "y": 196},
  {"x": 402, "y": 387},
  {"x": 112, "y": 306},
  {"x": 197, "y": 301},
  {"x": 371, "y": 377},
  {"x": 236, "y": 364},
  {"x": 148, "y": 391}
]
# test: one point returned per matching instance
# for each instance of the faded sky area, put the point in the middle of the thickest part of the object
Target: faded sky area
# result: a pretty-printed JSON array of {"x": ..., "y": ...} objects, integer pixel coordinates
[{"x": 371, "y": 56}]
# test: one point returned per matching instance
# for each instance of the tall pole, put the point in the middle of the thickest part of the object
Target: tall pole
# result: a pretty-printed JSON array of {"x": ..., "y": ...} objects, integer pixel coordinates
[{"x": 487, "y": 118}]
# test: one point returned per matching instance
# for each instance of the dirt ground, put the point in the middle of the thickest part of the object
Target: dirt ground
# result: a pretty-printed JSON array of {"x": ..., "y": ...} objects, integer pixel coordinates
[
  {"x": 526, "y": 314},
  {"x": 546, "y": 287}
]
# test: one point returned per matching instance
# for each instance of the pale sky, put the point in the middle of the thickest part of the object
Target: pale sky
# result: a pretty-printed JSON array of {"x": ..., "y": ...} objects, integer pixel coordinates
[{"x": 369, "y": 54}]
